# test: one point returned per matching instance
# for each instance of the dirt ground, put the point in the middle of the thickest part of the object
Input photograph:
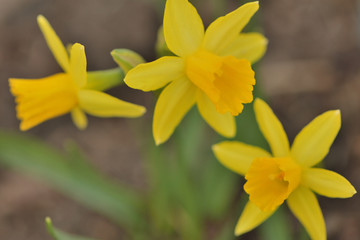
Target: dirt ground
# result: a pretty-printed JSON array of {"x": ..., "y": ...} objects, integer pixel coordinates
[{"x": 312, "y": 65}]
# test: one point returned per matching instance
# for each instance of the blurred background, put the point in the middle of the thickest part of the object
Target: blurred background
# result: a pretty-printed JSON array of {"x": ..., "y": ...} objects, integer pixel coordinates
[{"x": 312, "y": 65}]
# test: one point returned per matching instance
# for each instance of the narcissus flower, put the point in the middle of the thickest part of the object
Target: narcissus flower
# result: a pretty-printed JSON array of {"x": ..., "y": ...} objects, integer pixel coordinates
[
  {"x": 41, "y": 99},
  {"x": 211, "y": 68},
  {"x": 288, "y": 173}
]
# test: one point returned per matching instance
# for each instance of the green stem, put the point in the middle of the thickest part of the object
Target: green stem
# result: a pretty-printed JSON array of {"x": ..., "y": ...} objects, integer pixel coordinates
[
  {"x": 158, "y": 203},
  {"x": 105, "y": 79},
  {"x": 187, "y": 145}
]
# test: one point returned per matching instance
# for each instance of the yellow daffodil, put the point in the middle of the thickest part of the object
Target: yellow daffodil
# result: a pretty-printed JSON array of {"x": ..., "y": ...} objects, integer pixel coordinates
[
  {"x": 211, "y": 68},
  {"x": 288, "y": 173},
  {"x": 72, "y": 91}
]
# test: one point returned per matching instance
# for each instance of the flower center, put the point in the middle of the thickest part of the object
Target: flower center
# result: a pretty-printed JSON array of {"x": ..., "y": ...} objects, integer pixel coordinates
[
  {"x": 227, "y": 81},
  {"x": 270, "y": 181},
  {"x": 41, "y": 99}
]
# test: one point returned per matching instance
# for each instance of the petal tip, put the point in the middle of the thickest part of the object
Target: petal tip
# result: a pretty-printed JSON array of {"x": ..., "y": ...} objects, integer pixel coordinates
[
  {"x": 142, "y": 111},
  {"x": 40, "y": 19},
  {"x": 255, "y": 4},
  {"x": 335, "y": 115},
  {"x": 337, "y": 112},
  {"x": 157, "y": 138},
  {"x": 258, "y": 102},
  {"x": 81, "y": 128},
  {"x": 158, "y": 141},
  {"x": 239, "y": 230},
  {"x": 78, "y": 45},
  {"x": 24, "y": 127},
  {"x": 266, "y": 41},
  {"x": 354, "y": 192},
  {"x": 215, "y": 148},
  {"x": 128, "y": 79}
]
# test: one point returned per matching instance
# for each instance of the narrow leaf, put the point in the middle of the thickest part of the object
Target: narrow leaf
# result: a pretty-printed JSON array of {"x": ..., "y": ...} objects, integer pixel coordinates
[
  {"x": 72, "y": 175},
  {"x": 60, "y": 235}
]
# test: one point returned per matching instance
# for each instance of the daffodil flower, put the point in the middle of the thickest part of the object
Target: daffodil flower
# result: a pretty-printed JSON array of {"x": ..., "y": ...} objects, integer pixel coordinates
[
  {"x": 73, "y": 91},
  {"x": 288, "y": 173},
  {"x": 211, "y": 68}
]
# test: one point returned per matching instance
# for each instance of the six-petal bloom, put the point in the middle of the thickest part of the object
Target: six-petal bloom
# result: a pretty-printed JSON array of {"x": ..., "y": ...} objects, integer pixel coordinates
[
  {"x": 211, "y": 68},
  {"x": 288, "y": 173},
  {"x": 41, "y": 99}
]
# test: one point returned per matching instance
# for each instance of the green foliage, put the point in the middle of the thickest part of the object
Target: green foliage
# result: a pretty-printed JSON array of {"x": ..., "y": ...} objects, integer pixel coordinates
[
  {"x": 60, "y": 235},
  {"x": 189, "y": 189},
  {"x": 73, "y": 176},
  {"x": 276, "y": 227}
]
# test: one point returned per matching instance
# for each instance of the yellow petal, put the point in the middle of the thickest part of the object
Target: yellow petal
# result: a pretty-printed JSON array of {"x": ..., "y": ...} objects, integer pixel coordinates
[
  {"x": 250, "y": 46},
  {"x": 79, "y": 118},
  {"x": 54, "y": 43},
  {"x": 237, "y": 156},
  {"x": 225, "y": 29},
  {"x": 45, "y": 114},
  {"x": 173, "y": 103},
  {"x": 156, "y": 74},
  {"x": 224, "y": 124},
  {"x": 312, "y": 144},
  {"x": 54, "y": 107},
  {"x": 303, "y": 203},
  {"x": 78, "y": 64},
  {"x": 103, "y": 105},
  {"x": 327, "y": 183},
  {"x": 39, "y": 100},
  {"x": 250, "y": 218},
  {"x": 183, "y": 27},
  {"x": 272, "y": 129}
]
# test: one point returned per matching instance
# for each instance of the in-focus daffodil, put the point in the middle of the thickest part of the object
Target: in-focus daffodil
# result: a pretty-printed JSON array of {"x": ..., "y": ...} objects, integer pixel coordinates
[
  {"x": 288, "y": 173},
  {"x": 211, "y": 68},
  {"x": 73, "y": 91}
]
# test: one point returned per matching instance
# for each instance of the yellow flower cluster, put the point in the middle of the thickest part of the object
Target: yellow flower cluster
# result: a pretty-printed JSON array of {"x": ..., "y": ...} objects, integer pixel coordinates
[
  {"x": 41, "y": 99},
  {"x": 288, "y": 173},
  {"x": 211, "y": 69}
]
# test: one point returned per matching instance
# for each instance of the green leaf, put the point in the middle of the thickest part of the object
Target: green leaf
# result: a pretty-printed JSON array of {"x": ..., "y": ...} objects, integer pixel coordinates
[
  {"x": 60, "y": 235},
  {"x": 218, "y": 187},
  {"x": 276, "y": 227},
  {"x": 209, "y": 179},
  {"x": 71, "y": 174}
]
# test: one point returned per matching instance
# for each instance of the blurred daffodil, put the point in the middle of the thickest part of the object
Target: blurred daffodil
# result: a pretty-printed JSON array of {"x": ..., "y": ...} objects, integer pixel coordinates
[
  {"x": 288, "y": 173},
  {"x": 211, "y": 68},
  {"x": 72, "y": 91}
]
